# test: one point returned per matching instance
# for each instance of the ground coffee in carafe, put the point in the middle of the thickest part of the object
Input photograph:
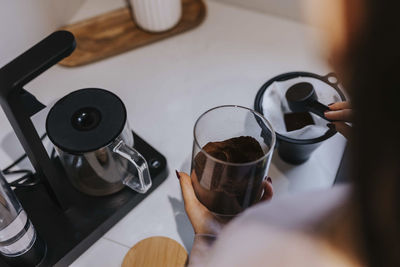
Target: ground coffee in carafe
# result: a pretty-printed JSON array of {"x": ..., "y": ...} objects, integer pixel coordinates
[{"x": 231, "y": 183}]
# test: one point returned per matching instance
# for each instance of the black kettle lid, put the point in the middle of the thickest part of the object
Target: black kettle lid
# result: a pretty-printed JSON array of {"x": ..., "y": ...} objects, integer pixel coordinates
[{"x": 85, "y": 120}]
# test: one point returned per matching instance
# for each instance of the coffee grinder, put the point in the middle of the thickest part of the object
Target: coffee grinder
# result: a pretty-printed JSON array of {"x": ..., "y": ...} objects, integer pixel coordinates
[{"x": 66, "y": 219}]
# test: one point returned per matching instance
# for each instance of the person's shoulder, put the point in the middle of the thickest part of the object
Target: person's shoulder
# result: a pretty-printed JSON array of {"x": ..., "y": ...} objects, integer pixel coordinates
[
  {"x": 297, "y": 211},
  {"x": 277, "y": 233},
  {"x": 261, "y": 245}
]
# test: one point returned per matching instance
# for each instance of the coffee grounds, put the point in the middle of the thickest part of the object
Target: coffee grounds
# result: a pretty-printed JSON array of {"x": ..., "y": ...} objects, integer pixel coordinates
[
  {"x": 235, "y": 150},
  {"x": 297, "y": 120},
  {"x": 228, "y": 189}
]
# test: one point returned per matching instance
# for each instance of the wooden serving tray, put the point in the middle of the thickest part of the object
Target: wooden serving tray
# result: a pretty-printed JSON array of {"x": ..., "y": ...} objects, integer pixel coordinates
[{"x": 115, "y": 32}]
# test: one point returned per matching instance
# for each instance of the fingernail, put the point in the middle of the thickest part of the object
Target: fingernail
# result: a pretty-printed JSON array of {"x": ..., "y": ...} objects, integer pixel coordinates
[
  {"x": 331, "y": 126},
  {"x": 269, "y": 180},
  {"x": 177, "y": 175}
]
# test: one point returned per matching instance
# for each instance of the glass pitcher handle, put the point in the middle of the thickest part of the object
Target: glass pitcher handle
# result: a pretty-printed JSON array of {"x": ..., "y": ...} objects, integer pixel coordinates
[{"x": 143, "y": 183}]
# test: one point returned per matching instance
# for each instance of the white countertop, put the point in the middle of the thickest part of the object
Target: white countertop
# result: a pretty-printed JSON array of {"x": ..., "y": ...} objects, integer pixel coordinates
[{"x": 167, "y": 85}]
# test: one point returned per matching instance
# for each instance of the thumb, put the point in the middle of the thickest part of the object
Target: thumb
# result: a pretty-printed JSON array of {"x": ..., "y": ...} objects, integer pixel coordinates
[
  {"x": 199, "y": 215},
  {"x": 268, "y": 190},
  {"x": 189, "y": 197}
]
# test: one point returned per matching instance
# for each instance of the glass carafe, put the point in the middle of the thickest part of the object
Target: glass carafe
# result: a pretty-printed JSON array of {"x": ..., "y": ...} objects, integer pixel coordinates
[{"x": 90, "y": 132}]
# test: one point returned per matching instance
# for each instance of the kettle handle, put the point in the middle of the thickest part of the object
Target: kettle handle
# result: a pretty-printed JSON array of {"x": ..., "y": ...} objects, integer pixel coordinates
[{"x": 143, "y": 182}]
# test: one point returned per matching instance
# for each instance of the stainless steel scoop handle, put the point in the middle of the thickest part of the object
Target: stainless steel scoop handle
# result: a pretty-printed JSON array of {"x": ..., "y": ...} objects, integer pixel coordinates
[{"x": 142, "y": 183}]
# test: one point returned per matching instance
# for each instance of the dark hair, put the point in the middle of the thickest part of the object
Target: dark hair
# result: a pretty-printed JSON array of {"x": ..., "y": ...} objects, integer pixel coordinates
[{"x": 373, "y": 63}]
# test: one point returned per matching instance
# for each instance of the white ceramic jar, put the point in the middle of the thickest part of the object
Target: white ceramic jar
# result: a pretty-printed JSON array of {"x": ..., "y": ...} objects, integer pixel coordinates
[{"x": 156, "y": 15}]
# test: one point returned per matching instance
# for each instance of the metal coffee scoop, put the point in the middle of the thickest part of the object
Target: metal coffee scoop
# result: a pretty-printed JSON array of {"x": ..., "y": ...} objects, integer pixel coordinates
[{"x": 301, "y": 97}]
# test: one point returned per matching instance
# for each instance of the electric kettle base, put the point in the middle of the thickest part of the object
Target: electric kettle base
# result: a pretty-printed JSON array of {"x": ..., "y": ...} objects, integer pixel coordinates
[{"x": 68, "y": 234}]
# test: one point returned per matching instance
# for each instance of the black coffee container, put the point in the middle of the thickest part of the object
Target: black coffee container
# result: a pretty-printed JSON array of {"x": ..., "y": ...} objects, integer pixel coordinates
[{"x": 291, "y": 150}]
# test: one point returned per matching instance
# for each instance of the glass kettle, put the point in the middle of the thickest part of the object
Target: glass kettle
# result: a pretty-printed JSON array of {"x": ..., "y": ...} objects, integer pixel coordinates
[{"x": 90, "y": 132}]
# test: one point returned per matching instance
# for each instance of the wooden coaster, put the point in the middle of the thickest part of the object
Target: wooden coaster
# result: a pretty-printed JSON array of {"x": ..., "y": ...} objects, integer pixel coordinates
[
  {"x": 115, "y": 32},
  {"x": 155, "y": 252}
]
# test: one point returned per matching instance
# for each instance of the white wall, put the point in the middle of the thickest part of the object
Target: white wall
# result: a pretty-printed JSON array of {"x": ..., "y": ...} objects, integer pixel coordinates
[
  {"x": 25, "y": 22},
  {"x": 288, "y": 8}
]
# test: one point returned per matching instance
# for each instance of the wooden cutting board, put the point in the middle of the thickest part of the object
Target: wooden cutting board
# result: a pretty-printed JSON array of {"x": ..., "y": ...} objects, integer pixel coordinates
[
  {"x": 157, "y": 251},
  {"x": 115, "y": 32}
]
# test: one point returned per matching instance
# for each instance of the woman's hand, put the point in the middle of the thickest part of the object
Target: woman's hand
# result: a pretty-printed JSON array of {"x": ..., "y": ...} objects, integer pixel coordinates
[
  {"x": 204, "y": 221},
  {"x": 341, "y": 112}
]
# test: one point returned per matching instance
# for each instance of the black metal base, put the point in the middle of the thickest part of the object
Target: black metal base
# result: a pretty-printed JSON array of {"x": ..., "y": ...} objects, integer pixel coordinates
[
  {"x": 34, "y": 256},
  {"x": 69, "y": 233}
]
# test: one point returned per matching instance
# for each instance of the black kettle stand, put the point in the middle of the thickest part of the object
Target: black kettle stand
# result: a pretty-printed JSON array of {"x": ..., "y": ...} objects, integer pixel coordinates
[
  {"x": 69, "y": 233},
  {"x": 67, "y": 220}
]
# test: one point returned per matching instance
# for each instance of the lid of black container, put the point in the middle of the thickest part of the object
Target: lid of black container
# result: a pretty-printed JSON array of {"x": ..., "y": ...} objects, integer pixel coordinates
[
  {"x": 86, "y": 120},
  {"x": 330, "y": 79}
]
